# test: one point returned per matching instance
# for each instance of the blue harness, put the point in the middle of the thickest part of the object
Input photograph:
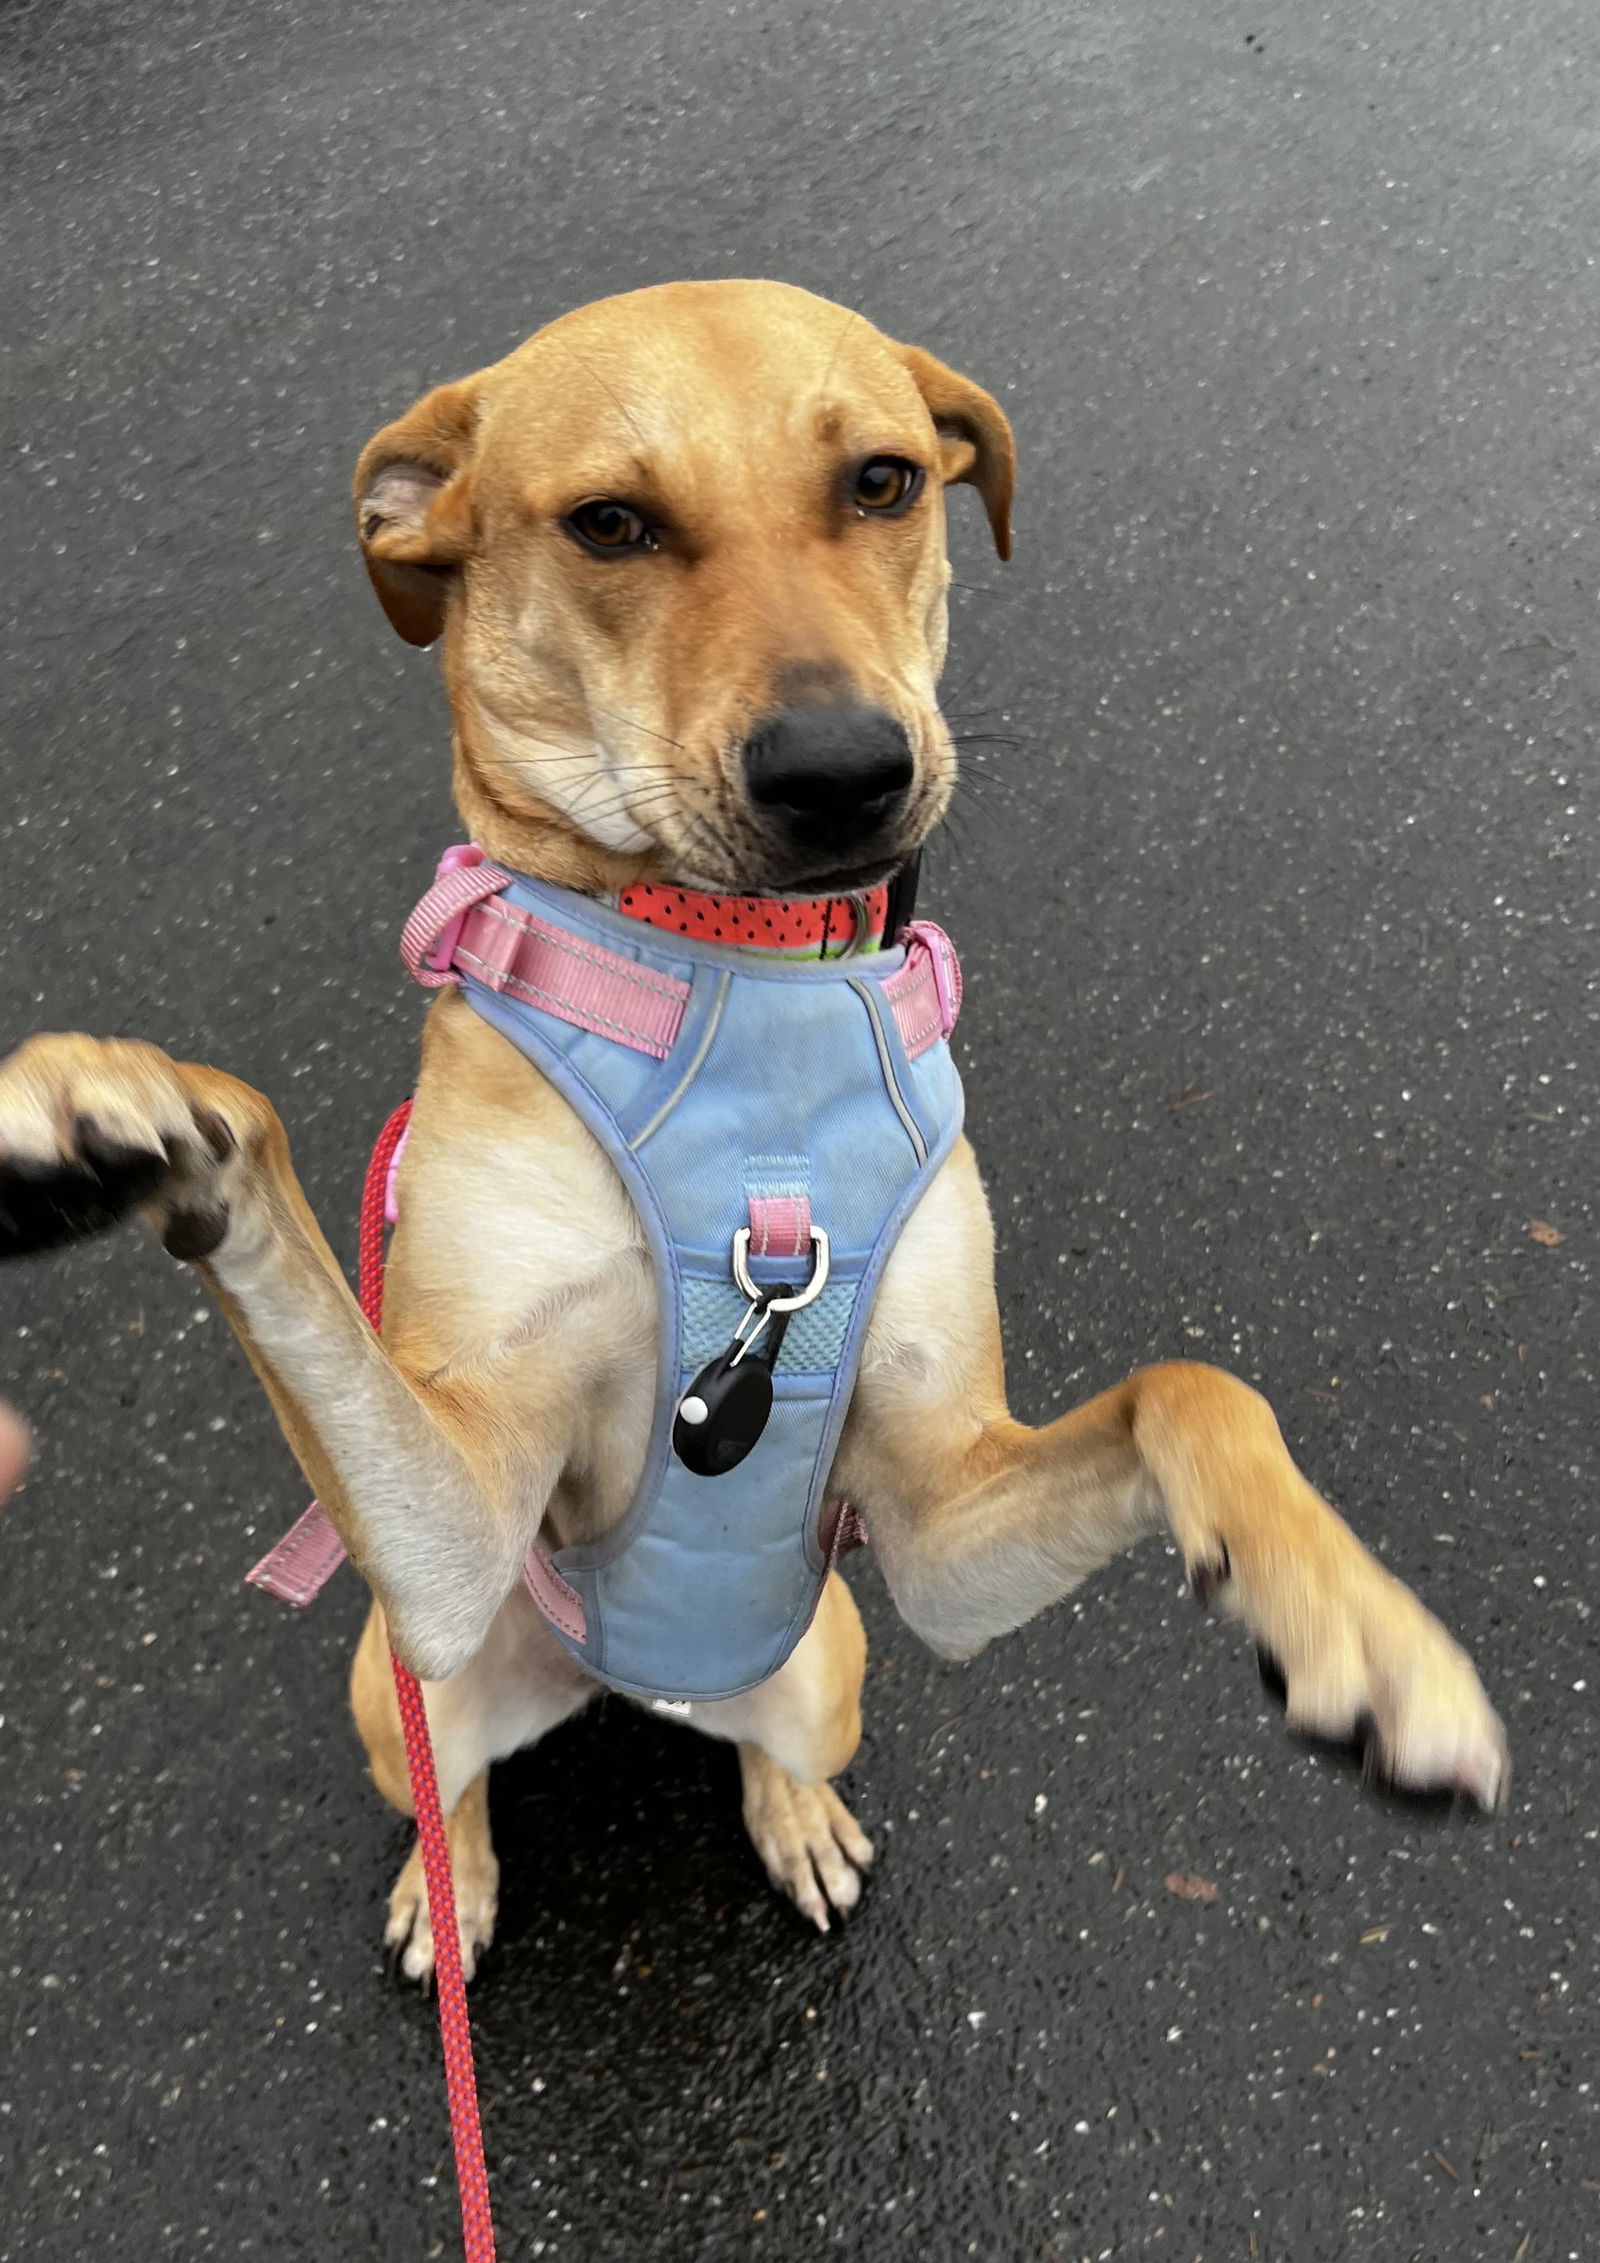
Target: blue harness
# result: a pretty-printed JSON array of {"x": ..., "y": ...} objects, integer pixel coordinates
[{"x": 731, "y": 1091}]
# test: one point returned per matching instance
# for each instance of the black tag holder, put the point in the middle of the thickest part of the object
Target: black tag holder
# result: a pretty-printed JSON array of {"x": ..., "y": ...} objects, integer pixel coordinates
[{"x": 726, "y": 1408}]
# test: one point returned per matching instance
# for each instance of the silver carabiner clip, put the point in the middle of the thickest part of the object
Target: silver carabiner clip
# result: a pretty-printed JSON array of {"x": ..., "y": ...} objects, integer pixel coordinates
[{"x": 762, "y": 1307}]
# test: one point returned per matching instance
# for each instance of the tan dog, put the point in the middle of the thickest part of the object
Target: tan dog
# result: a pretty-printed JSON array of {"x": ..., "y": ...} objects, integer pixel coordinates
[{"x": 665, "y": 520}]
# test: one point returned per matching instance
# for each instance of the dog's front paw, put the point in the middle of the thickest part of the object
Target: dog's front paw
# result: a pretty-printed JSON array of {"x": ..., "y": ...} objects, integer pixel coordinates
[
  {"x": 1360, "y": 1661},
  {"x": 92, "y": 1129},
  {"x": 814, "y": 1850}
]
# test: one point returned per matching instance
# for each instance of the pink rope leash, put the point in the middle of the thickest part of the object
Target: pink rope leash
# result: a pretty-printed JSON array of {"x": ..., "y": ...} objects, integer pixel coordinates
[{"x": 455, "y": 2026}]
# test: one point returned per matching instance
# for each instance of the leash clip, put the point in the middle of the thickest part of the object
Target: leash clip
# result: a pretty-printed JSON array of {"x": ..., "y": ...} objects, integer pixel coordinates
[
  {"x": 781, "y": 1300},
  {"x": 726, "y": 1407}
]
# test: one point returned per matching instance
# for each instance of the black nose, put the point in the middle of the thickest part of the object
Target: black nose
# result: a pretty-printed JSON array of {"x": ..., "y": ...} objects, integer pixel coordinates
[{"x": 829, "y": 778}]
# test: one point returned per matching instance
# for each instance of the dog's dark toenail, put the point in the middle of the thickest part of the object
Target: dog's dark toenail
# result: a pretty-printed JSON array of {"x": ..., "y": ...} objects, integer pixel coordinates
[
  {"x": 217, "y": 1133},
  {"x": 1273, "y": 1679},
  {"x": 1364, "y": 1739},
  {"x": 1210, "y": 1577},
  {"x": 195, "y": 1234}
]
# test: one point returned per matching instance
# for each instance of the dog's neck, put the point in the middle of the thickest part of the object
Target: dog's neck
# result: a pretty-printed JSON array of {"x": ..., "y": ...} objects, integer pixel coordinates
[{"x": 541, "y": 841}]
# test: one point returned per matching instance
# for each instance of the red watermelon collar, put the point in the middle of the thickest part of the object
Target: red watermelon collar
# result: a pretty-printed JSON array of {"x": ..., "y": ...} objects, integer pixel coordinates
[{"x": 809, "y": 927}]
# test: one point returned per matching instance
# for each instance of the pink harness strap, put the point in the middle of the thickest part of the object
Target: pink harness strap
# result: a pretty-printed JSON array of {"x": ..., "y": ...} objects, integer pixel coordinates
[
  {"x": 507, "y": 948},
  {"x": 561, "y": 1604},
  {"x": 462, "y": 925},
  {"x": 780, "y": 1225},
  {"x": 925, "y": 995},
  {"x": 429, "y": 937},
  {"x": 458, "y": 927},
  {"x": 848, "y": 1530},
  {"x": 304, "y": 1560}
]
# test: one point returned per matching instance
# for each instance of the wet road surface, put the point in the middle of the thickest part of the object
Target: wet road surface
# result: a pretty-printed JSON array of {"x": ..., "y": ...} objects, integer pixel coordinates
[{"x": 1279, "y": 931}]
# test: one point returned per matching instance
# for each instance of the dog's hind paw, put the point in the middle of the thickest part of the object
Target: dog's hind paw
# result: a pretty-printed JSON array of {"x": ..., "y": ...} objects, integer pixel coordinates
[
  {"x": 408, "y": 1934},
  {"x": 1392, "y": 1683},
  {"x": 814, "y": 1849},
  {"x": 1359, "y": 1662}
]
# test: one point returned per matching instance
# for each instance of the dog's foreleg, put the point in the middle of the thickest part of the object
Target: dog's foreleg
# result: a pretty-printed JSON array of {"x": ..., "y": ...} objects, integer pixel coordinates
[
  {"x": 981, "y": 1521},
  {"x": 436, "y": 1502}
]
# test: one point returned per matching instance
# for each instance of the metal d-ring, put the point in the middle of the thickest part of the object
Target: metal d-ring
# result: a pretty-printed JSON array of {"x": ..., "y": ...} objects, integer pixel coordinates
[
  {"x": 808, "y": 1295},
  {"x": 861, "y": 913}
]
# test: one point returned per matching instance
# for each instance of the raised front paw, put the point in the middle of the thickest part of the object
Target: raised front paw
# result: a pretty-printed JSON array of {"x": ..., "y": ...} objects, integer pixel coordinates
[
  {"x": 1361, "y": 1662},
  {"x": 91, "y": 1129}
]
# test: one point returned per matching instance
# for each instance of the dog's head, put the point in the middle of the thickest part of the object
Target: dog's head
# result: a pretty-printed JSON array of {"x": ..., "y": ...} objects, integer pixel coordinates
[{"x": 686, "y": 550}]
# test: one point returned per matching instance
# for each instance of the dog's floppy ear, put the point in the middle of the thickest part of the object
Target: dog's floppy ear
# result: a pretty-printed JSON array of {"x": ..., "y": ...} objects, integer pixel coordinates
[
  {"x": 414, "y": 513},
  {"x": 974, "y": 438}
]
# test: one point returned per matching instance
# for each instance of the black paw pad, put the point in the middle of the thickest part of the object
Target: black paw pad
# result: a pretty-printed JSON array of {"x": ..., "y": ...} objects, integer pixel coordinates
[
  {"x": 45, "y": 1205},
  {"x": 195, "y": 1234}
]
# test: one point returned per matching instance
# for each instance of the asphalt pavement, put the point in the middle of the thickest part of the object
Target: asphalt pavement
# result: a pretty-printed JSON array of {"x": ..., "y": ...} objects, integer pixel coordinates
[{"x": 1278, "y": 921}]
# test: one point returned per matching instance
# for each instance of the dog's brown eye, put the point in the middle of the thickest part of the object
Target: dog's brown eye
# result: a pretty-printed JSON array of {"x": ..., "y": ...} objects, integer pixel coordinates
[
  {"x": 887, "y": 483},
  {"x": 609, "y": 527}
]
